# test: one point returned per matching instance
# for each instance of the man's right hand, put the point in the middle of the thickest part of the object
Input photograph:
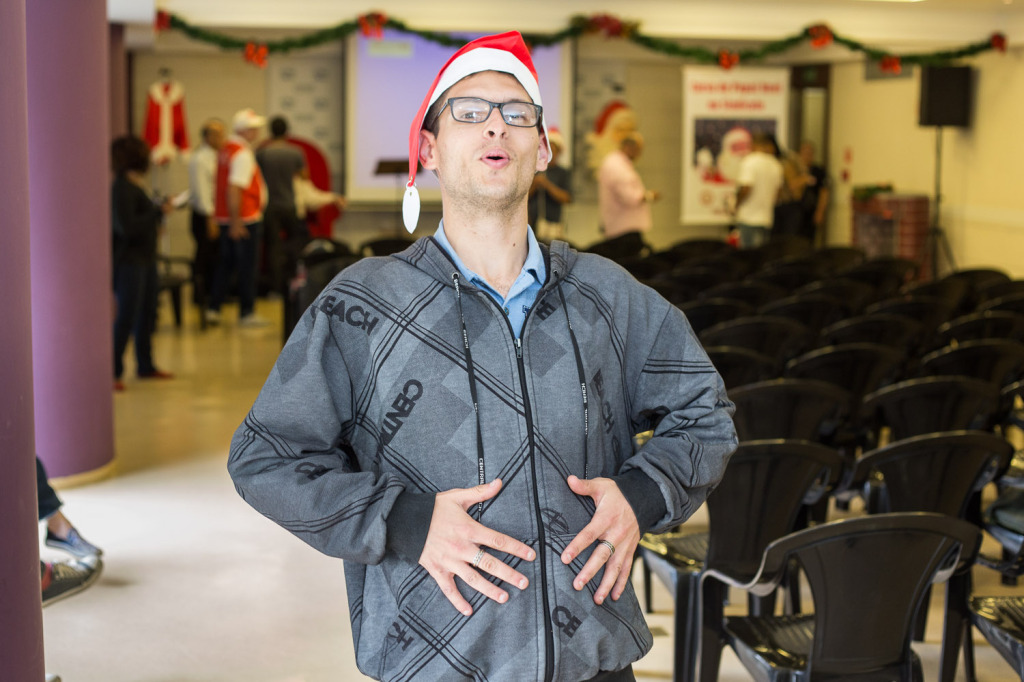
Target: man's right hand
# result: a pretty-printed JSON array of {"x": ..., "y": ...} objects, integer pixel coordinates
[
  {"x": 236, "y": 230},
  {"x": 454, "y": 541}
]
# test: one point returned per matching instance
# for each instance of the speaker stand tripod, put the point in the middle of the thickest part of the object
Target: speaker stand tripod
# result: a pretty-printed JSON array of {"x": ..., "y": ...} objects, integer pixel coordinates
[{"x": 936, "y": 240}]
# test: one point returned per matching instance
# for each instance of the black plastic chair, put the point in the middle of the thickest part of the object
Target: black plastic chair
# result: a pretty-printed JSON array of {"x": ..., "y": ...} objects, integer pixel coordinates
[
  {"x": 815, "y": 311},
  {"x": 857, "y": 367},
  {"x": 896, "y": 331},
  {"x": 978, "y": 279},
  {"x": 697, "y": 250},
  {"x": 918, "y": 406},
  {"x": 787, "y": 408},
  {"x": 740, "y": 366},
  {"x": 999, "y": 361},
  {"x": 689, "y": 282},
  {"x": 777, "y": 337},
  {"x": 989, "y": 324},
  {"x": 867, "y": 576},
  {"x": 1013, "y": 303},
  {"x": 757, "y": 501},
  {"x": 929, "y": 311},
  {"x": 782, "y": 246},
  {"x": 836, "y": 258},
  {"x": 955, "y": 292},
  {"x": 708, "y": 312},
  {"x": 854, "y": 294},
  {"x": 998, "y": 289},
  {"x": 886, "y": 275},
  {"x": 753, "y": 292},
  {"x": 790, "y": 273},
  {"x": 384, "y": 246},
  {"x": 1001, "y": 621}
]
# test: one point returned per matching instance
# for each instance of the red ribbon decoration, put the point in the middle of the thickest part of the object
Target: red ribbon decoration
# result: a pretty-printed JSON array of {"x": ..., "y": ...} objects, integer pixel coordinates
[
  {"x": 821, "y": 36},
  {"x": 610, "y": 26},
  {"x": 372, "y": 25},
  {"x": 727, "y": 59},
  {"x": 891, "y": 64},
  {"x": 998, "y": 42},
  {"x": 256, "y": 54},
  {"x": 163, "y": 21}
]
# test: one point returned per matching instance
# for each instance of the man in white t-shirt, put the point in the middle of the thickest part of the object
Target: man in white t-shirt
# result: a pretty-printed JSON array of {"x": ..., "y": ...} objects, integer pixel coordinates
[{"x": 759, "y": 182}]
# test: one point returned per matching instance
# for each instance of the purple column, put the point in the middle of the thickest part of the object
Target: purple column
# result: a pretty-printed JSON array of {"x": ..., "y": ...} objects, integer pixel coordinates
[
  {"x": 21, "y": 622},
  {"x": 69, "y": 197}
]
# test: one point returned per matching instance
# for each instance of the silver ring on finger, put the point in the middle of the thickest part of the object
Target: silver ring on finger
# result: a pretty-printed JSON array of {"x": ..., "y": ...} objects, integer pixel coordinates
[
  {"x": 478, "y": 557},
  {"x": 610, "y": 546}
]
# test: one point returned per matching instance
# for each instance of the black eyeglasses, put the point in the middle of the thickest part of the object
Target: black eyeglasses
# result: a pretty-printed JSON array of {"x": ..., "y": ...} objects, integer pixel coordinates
[{"x": 477, "y": 110}]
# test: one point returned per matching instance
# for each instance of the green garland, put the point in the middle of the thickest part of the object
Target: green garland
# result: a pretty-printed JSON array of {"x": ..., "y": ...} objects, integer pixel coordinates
[{"x": 819, "y": 35}]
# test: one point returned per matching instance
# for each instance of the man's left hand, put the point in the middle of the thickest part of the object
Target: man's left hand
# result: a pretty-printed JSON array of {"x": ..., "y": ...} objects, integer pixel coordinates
[{"x": 614, "y": 522}]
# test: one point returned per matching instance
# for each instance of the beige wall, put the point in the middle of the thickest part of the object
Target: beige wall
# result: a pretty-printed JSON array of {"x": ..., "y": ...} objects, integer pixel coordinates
[{"x": 982, "y": 207}]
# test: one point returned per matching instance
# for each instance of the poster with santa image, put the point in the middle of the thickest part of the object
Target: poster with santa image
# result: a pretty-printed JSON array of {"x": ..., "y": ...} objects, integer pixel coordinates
[{"x": 722, "y": 109}]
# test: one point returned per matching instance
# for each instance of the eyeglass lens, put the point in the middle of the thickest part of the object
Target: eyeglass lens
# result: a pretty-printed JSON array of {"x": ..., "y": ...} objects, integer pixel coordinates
[{"x": 477, "y": 110}]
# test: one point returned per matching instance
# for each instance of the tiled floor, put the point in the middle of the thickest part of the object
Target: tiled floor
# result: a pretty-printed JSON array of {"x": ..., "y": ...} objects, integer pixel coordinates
[{"x": 200, "y": 588}]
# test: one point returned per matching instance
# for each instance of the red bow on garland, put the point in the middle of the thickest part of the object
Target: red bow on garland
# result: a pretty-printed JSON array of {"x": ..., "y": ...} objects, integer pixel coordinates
[
  {"x": 727, "y": 59},
  {"x": 998, "y": 42},
  {"x": 372, "y": 25},
  {"x": 163, "y": 21},
  {"x": 611, "y": 27},
  {"x": 821, "y": 36},
  {"x": 891, "y": 64},
  {"x": 256, "y": 54}
]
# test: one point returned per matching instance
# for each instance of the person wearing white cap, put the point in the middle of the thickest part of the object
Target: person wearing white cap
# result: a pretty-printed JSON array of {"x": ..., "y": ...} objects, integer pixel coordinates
[
  {"x": 241, "y": 197},
  {"x": 456, "y": 421}
]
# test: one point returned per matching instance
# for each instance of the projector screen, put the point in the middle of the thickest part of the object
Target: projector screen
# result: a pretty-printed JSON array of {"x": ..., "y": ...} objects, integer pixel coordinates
[{"x": 387, "y": 81}]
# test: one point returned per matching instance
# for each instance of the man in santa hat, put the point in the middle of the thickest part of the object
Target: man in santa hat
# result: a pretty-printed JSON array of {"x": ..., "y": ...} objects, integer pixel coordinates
[{"x": 456, "y": 421}]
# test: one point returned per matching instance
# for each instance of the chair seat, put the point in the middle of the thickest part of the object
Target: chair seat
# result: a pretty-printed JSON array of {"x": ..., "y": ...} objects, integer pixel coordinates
[
  {"x": 781, "y": 641},
  {"x": 1001, "y": 621},
  {"x": 685, "y": 550}
]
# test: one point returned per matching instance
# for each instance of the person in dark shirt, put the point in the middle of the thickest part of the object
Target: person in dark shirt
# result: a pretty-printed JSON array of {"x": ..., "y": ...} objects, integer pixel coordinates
[
  {"x": 136, "y": 222},
  {"x": 549, "y": 191},
  {"x": 814, "y": 202},
  {"x": 280, "y": 161}
]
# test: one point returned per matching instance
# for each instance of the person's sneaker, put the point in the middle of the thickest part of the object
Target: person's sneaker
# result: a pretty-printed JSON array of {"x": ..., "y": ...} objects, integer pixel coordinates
[
  {"x": 253, "y": 320},
  {"x": 62, "y": 579},
  {"x": 156, "y": 374},
  {"x": 53, "y": 678},
  {"x": 212, "y": 317},
  {"x": 73, "y": 544}
]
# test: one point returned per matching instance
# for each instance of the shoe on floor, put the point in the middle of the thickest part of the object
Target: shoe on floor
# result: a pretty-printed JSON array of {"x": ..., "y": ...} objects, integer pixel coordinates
[
  {"x": 53, "y": 678},
  {"x": 73, "y": 544},
  {"x": 62, "y": 579},
  {"x": 156, "y": 374},
  {"x": 212, "y": 317},
  {"x": 253, "y": 320}
]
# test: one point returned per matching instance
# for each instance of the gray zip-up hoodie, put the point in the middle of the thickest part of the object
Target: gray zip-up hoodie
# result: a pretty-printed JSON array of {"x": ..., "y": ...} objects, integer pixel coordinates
[{"x": 401, "y": 381}]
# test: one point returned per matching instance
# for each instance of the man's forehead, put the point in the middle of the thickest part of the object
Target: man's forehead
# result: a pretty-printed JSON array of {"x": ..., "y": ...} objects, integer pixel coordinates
[{"x": 486, "y": 81}]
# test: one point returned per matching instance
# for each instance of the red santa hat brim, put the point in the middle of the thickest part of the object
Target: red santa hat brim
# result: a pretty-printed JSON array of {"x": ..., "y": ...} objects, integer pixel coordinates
[{"x": 504, "y": 52}]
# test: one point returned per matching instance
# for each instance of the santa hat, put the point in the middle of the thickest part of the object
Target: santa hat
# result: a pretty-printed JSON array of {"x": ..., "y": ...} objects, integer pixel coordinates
[
  {"x": 606, "y": 114},
  {"x": 505, "y": 52}
]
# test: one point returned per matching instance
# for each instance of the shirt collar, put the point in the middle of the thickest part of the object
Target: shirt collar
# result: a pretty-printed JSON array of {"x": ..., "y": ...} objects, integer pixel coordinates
[{"x": 533, "y": 267}]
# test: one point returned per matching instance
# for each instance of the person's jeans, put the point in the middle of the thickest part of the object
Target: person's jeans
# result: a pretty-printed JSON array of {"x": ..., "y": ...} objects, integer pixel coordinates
[
  {"x": 752, "y": 236},
  {"x": 237, "y": 256},
  {"x": 49, "y": 503},
  {"x": 136, "y": 286}
]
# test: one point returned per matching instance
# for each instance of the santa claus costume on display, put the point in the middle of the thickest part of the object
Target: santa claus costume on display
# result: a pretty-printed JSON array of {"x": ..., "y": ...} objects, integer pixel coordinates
[{"x": 165, "y": 130}]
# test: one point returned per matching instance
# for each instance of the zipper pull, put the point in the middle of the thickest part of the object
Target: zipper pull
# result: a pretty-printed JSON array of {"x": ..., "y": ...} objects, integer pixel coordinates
[{"x": 519, "y": 349}]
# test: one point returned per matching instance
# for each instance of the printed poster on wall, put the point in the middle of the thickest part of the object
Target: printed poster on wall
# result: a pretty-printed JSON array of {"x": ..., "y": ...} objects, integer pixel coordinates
[{"x": 722, "y": 109}]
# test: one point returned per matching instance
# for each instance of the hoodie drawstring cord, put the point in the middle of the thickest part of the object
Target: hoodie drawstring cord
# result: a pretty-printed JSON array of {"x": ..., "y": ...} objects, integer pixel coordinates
[
  {"x": 472, "y": 389},
  {"x": 583, "y": 382}
]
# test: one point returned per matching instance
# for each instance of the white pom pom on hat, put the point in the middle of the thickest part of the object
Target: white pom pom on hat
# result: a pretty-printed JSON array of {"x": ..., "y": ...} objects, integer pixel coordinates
[{"x": 504, "y": 52}]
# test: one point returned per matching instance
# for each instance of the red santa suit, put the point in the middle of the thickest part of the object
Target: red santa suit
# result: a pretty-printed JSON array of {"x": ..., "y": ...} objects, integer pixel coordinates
[{"x": 165, "y": 131}]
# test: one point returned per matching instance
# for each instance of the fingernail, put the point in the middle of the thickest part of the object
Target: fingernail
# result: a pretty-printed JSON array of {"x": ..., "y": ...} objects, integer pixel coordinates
[
  {"x": 467, "y": 612},
  {"x": 502, "y": 598},
  {"x": 566, "y": 558},
  {"x": 578, "y": 585},
  {"x": 523, "y": 583},
  {"x": 598, "y": 599},
  {"x": 531, "y": 555}
]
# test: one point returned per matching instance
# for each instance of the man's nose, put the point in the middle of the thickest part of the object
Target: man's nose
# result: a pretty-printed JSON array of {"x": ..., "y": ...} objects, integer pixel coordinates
[{"x": 495, "y": 124}]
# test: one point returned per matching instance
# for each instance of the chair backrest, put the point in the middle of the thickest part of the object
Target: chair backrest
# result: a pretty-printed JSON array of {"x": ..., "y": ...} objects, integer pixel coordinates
[
  {"x": 740, "y": 366},
  {"x": 777, "y": 337},
  {"x": 988, "y": 324},
  {"x": 930, "y": 404},
  {"x": 836, "y": 258},
  {"x": 999, "y": 361},
  {"x": 887, "y": 329},
  {"x": 815, "y": 311},
  {"x": 708, "y": 312},
  {"x": 1014, "y": 303},
  {"x": 867, "y": 577},
  {"x": 385, "y": 246},
  {"x": 930, "y": 311},
  {"x": 998, "y": 289},
  {"x": 787, "y": 408},
  {"x": 886, "y": 275},
  {"x": 857, "y": 367},
  {"x": 752, "y": 291},
  {"x": 758, "y": 499},
  {"x": 936, "y": 472}
]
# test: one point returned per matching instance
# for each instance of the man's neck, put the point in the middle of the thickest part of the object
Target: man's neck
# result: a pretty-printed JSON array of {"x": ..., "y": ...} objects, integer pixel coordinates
[{"x": 491, "y": 246}]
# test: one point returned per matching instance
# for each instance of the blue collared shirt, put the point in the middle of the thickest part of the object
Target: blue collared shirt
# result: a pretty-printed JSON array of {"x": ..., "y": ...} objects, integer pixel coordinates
[{"x": 523, "y": 293}]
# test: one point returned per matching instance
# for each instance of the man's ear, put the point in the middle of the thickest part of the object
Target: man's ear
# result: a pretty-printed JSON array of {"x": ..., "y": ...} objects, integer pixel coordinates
[
  {"x": 428, "y": 150},
  {"x": 543, "y": 155}
]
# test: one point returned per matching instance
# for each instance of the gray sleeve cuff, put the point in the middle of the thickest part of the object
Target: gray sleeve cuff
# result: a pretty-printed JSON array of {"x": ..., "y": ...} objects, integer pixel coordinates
[
  {"x": 408, "y": 524},
  {"x": 643, "y": 496}
]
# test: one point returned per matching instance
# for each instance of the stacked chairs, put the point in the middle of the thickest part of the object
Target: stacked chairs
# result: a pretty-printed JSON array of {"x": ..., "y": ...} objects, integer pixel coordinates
[
  {"x": 814, "y": 311},
  {"x": 779, "y": 338},
  {"x": 1012, "y": 302},
  {"x": 887, "y": 329},
  {"x": 988, "y": 324},
  {"x": 754, "y": 292},
  {"x": 999, "y": 361},
  {"x": 889, "y": 559},
  {"x": 998, "y": 289},
  {"x": 855, "y": 295}
]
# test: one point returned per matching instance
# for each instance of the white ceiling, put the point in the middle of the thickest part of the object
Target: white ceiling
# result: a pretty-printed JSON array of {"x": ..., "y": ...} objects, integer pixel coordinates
[{"x": 889, "y": 25}]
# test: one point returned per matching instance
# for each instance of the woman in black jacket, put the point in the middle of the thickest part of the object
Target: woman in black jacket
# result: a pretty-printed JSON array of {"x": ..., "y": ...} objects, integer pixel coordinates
[{"x": 136, "y": 224}]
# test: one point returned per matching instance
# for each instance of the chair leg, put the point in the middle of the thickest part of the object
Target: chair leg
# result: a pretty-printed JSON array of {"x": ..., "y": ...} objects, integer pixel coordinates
[
  {"x": 175, "y": 292},
  {"x": 969, "y": 672},
  {"x": 953, "y": 629},
  {"x": 687, "y": 626},
  {"x": 712, "y": 633}
]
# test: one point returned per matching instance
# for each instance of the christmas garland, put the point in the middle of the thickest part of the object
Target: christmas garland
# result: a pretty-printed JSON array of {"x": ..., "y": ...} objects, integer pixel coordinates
[{"x": 372, "y": 25}]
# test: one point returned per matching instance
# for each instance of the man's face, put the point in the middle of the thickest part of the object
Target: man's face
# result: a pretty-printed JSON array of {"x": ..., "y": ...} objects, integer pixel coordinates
[
  {"x": 489, "y": 164},
  {"x": 250, "y": 135},
  {"x": 215, "y": 135}
]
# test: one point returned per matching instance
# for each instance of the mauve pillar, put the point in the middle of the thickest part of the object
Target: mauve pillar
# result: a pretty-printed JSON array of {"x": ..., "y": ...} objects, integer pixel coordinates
[
  {"x": 69, "y": 197},
  {"x": 21, "y": 621}
]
